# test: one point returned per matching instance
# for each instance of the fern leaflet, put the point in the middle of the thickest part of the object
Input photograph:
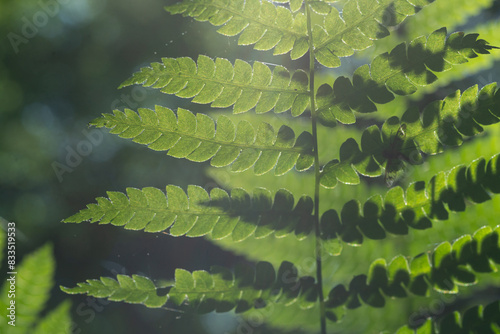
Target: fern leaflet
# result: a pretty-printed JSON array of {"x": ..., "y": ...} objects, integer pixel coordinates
[
  {"x": 135, "y": 290},
  {"x": 416, "y": 207},
  {"x": 223, "y": 85},
  {"x": 259, "y": 22},
  {"x": 448, "y": 266},
  {"x": 196, "y": 213}
]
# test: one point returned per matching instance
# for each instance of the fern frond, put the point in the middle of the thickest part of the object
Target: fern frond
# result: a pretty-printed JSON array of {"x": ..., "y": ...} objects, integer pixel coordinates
[
  {"x": 134, "y": 290},
  {"x": 443, "y": 269},
  {"x": 219, "y": 83},
  {"x": 220, "y": 290},
  {"x": 362, "y": 22},
  {"x": 196, "y": 213},
  {"x": 259, "y": 22},
  {"x": 196, "y": 138},
  {"x": 417, "y": 207},
  {"x": 398, "y": 72},
  {"x": 442, "y": 122},
  {"x": 477, "y": 319}
]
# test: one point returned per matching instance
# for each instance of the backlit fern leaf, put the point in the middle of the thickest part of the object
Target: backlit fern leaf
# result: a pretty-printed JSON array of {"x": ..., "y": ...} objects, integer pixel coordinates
[
  {"x": 223, "y": 85},
  {"x": 196, "y": 213},
  {"x": 250, "y": 286},
  {"x": 135, "y": 290},
  {"x": 259, "y": 22},
  {"x": 416, "y": 207},
  {"x": 220, "y": 290},
  {"x": 399, "y": 72},
  {"x": 442, "y": 122},
  {"x": 33, "y": 281},
  {"x": 196, "y": 138},
  {"x": 444, "y": 269},
  {"x": 362, "y": 22}
]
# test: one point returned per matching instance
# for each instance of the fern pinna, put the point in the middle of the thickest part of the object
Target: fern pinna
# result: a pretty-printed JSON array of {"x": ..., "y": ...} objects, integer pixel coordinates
[{"x": 303, "y": 274}]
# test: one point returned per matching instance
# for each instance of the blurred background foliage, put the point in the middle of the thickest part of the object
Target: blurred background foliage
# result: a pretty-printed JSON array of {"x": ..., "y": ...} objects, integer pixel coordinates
[{"x": 60, "y": 65}]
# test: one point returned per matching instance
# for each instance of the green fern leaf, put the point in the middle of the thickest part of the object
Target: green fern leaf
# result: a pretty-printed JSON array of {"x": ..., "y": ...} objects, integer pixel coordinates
[
  {"x": 432, "y": 18},
  {"x": 195, "y": 138},
  {"x": 57, "y": 321},
  {"x": 135, "y": 290},
  {"x": 220, "y": 290},
  {"x": 398, "y": 72},
  {"x": 219, "y": 83},
  {"x": 362, "y": 22},
  {"x": 249, "y": 287},
  {"x": 259, "y": 22},
  {"x": 447, "y": 267},
  {"x": 442, "y": 123},
  {"x": 417, "y": 207},
  {"x": 487, "y": 31},
  {"x": 34, "y": 281},
  {"x": 196, "y": 213}
]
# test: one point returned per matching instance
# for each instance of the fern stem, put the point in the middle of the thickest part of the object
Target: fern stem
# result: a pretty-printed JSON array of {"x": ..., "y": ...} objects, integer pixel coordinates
[{"x": 314, "y": 116}]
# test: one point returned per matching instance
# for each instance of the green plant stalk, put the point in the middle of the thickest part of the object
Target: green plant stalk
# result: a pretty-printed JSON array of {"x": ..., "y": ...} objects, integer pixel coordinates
[{"x": 314, "y": 116}]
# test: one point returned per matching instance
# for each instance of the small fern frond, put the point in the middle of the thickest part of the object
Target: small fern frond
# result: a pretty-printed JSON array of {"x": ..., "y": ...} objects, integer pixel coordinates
[
  {"x": 416, "y": 207},
  {"x": 219, "y": 83},
  {"x": 398, "y": 72},
  {"x": 362, "y": 22},
  {"x": 135, "y": 290},
  {"x": 443, "y": 269},
  {"x": 260, "y": 22},
  {"x": 477, "y": 319},
  {"x": 196, "y": 213},
  {"x": 442, "y": 122},
  {"x": 196, "y": 138},
  {"x": 220, "y": 290}
]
